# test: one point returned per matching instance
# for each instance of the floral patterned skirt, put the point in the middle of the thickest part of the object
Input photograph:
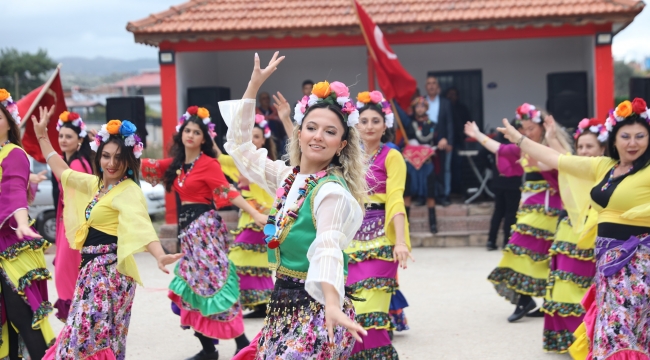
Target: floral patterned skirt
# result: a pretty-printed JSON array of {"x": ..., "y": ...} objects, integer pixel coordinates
[
  {"x": 205, "y": 289},
  {"x": 100, "y": 312},
  {"x": 295, "y": 328}
]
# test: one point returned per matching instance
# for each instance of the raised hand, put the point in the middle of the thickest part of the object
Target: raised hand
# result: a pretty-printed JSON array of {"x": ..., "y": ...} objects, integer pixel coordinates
[
  {"x": 40, "y": 126},
  {"x": 260, "y": 75},
  {"x": 471, "y": 129},
  {"x": 282, "y": 105},
  {"x": 510, "y": 132},
  {"x": 550, "y": 126}
]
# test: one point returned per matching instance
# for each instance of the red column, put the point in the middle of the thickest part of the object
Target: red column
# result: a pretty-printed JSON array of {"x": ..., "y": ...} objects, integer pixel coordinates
[
  {"x": 603, "y": 80},
  {"x": 169, "y": 118},
  {"x": 371, "y": 73}
]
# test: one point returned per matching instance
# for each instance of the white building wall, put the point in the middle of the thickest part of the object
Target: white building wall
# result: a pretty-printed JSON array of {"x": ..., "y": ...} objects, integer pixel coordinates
[{"x": 518, "y": 67}]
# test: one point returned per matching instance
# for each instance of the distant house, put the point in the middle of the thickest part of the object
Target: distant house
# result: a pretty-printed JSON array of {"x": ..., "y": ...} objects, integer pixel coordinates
[{"x": 145, "y": 84}]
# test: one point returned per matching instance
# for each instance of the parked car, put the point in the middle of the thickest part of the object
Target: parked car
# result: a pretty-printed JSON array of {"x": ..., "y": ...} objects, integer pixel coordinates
[{"x": 43, "y": 208}]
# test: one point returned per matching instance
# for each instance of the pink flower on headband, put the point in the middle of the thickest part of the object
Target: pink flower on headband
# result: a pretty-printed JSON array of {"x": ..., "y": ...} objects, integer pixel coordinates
[
  {"x": 259, "y": 118},
  {"x": 349, "y": 108},
  {"x": 340, "y": 89},
  {"x": 584, "y": 123},
  {"x": 525, "y": 108},
  {"x": 376, "y": 97}
]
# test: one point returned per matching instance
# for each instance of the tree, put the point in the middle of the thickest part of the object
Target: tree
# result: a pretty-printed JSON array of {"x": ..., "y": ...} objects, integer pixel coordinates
[
  {"x": 622, "y": 74},
  {"x": 22, "y": 72}
]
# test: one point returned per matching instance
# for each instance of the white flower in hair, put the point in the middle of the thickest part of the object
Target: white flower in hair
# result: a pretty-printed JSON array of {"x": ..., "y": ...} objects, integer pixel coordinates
[
  {"x": 646, "y": 114},
  {"x": 103, "y": 133},
  {"x": 353, "y": 118},
  {"x": 603, "y": 136},
  {"x": 83, "y": 133},
  {"x": 313, "y": 99},
  {"x": 129, "y": 140},
  {"x": 178, "y": 128},
  {"x": 206, "y": 121},
  {"x": 594, "y": 129},
  {"x": 298, "y": 116},
  {"x": 360, "y": 104},
  {"x": 94, "y": 145},
  {"x": 342, "y": 100},
  {"x": 390, "y": 119}
]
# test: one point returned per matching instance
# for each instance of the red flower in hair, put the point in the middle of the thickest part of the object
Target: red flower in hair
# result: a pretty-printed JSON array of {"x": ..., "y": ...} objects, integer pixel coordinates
[
  {"x": 639, "y": 106},
  {"x": 192, "y": 110},
  {"x": 72, "y": 116},
  {"x": 594, "y": 122}
]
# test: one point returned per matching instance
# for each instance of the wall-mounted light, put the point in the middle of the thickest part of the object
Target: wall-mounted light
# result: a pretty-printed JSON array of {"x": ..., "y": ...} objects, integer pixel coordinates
[
  {"x": 604, "y": 38},
  {"x": 166, "y": 57}
]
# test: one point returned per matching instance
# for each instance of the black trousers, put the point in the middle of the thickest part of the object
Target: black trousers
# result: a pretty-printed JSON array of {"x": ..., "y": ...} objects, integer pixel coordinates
[
  {"x": 506, "y": 203},
  {"x": 20, "y": 315}
]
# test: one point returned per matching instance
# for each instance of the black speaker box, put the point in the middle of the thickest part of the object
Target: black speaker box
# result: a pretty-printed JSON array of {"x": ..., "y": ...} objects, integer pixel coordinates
[
  {"x": 567, "y": 97},
  {"x": 209, "y": 97},
  {"x": 129, "y": 108},
  {"x": 640, "y": 88}
]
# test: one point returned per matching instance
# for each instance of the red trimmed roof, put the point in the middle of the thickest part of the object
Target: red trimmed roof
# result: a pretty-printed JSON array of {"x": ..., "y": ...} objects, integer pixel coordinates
[
  {"x": 145, "y": 79},
  {"x": 228, "y": 19}
]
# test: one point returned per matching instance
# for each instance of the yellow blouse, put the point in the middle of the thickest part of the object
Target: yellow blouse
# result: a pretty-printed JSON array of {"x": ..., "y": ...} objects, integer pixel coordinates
[
  {"x": 122, "y": 212},
  {"x": 228, "y": 167},
  {"x": 629, "y": 204}
]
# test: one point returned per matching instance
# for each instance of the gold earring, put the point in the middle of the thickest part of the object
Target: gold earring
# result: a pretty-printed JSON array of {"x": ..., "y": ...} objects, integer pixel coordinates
[{"x": 338, "y": 153}]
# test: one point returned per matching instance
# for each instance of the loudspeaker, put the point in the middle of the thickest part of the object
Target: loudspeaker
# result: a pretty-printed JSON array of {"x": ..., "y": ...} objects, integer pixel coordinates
[
  {"x": 209, "y": 97},
  {"x": 567, "y": 98},
  {"x": 129, "y": 108},
  {"x": 640, "y": 88}
]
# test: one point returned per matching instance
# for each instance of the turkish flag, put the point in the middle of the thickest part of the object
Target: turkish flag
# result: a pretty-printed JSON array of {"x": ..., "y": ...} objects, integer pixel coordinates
[
  {"x": 48, "y": 94},
  {"x": 393, "y": 79}
]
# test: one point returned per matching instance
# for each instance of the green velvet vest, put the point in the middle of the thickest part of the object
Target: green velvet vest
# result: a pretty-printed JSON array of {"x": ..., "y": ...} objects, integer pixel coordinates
[{"x": 290, "y": 258}]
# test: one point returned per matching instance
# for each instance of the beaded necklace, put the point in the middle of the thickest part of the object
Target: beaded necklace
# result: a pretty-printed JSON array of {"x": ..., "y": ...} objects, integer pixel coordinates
[
  {"x": 274, "y": 227},
  {"x": 180, "y": 180},
  {"x": 611, "y": 176},
  {"x": 4, "y": 144},
  {"x": 374, "y": 157},
  {"x": 95, "y": 199}
]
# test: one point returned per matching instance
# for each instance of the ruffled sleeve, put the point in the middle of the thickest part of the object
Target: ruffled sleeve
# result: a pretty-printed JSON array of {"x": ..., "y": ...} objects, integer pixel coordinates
[
  {"x": 253, "y": 163},
  {"x": 508, "y": 157},
  {"x": 78, "y": 190},
  {"x": 396, "y": 170},
  {"x": 14, "y": 184},
  {"x": 338, "y": 217},
  {"x": 154, "y": 170},
  {"x": 577, "y": 175},
  {"x": 134, "y": 229}
]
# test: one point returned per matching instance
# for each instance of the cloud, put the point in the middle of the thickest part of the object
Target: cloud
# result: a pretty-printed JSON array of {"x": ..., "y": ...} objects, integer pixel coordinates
[{"x": 633, "y": 42}]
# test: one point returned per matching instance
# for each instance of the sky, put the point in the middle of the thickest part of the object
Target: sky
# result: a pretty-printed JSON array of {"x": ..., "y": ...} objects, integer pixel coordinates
[{"x": 92, "y": 28}]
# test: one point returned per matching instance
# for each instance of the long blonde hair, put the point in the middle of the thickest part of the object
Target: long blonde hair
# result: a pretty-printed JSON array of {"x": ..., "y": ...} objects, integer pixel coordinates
[{"x": 351, "y": 165}]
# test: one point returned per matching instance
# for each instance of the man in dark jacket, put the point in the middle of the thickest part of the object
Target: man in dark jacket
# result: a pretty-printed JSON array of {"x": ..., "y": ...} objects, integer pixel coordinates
[{"x": 440, "y": 114}]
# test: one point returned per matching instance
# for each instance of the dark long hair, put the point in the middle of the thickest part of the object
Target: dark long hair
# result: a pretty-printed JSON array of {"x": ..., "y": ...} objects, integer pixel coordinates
[
  {"x": 643, "y": 160},
  {"x": 84, "y": 151},
  {"x": 126, "y": 157},
  {"x": 388, "y": 135},
  {"x": 269, "y": 144},
  {"x": 177, "y": 151},
  {"x": 13, "y": 134}
]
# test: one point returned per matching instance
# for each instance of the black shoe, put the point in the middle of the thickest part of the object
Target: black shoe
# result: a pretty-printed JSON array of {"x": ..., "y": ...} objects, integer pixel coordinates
[
  {"x": 390, "y": 335},
  {"x": 521, "y": 311},
  {"x": 492, "y": 247},
  {"x": 258, "y": 313},
  {"x": 445, "y": 202},
  {"x": 202, "y": 355},
  {"x": 433, "y": 223},
  {"x": 535, "y": 314},
  {"x": 420, "y": 202}
]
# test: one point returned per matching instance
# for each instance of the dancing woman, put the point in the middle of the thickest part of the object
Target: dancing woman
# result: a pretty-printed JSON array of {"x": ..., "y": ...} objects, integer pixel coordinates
[
  {"x": 205, "y": 290},
  {"x": 524, "y": 268},
  {"x": 572, "y": 265},
  {"x": 76, "y": 152},
  {"x": 618, "y": 188},
  {"x": 315, "y": 215},
  {"x": 105, "y": 216},
  {"x": 24, "y": 306},
  {"x": 383, "y": 241}
]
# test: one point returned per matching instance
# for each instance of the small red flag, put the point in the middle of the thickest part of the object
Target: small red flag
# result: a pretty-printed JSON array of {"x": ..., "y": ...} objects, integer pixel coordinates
[
  {"x": 48, "y": 94},
  {"x": 393, "y": 79}
]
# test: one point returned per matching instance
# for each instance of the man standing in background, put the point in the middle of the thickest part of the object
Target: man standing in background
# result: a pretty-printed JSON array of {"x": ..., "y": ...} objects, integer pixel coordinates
[{"x": 440, "y": 114}]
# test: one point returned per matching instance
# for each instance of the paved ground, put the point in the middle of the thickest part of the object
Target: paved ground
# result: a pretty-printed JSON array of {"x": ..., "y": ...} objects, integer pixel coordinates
[{"x": 454, "y": 313}]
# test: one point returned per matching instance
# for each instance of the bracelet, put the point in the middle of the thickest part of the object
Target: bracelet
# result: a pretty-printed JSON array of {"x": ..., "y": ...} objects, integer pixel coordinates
[
  {"x": 485, "y": 140},
  {"x": 42, "y": 137},
  {"x": 520, "y": 140},
  {"x": 47, "y": 158}
]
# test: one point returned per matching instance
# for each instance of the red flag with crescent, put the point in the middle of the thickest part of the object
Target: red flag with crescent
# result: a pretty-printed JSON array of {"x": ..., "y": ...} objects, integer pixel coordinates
[{"x": 48, "y": 94}]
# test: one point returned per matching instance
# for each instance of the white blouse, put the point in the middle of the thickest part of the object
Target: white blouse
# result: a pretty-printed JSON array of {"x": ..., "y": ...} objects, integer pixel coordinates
[{"x": 338, "y": 215}]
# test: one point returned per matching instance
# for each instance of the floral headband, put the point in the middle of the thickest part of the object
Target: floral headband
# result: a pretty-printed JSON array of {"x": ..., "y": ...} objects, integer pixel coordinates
[
  {"x": 625, "y": 110},
  {"x": 529, "y": 112},
  {"x": 376, "y": 98},
  {"x": 594, "y": 126},
  {"x": 420, "y": 100},
  {"x": 202, "y": 113},
  {"x": 74, "y": 119},
  {"x": 10, "y": 105},
  {"x": 124, "y": 129},
  {"x": 262, "y": 123},
  {"x": 336, "y": 93}
]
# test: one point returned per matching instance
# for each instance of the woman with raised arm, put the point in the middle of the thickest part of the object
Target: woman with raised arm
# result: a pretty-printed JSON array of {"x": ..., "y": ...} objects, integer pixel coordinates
[
  {"x": 618, "y": 188},
  {"x": 76, "y": 152},
  {"x": 523, "y": 271},
  {"x": 316, "y": 213},
  {"x": 105, "y": 216},
  {"x": 208, "y": 303},
  {"x": 24, "y": 305},
  {"x": 572, "y": 265}
]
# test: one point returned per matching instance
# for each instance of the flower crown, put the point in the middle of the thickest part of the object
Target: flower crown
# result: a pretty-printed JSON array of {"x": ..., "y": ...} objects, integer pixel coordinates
[
  {"x": 10, "y": 105},
  {"x": 529, "y": 112},
  {"x": 594, "y": 126},
  {"x": 625, "y": 110},
  {"x": 376, "y": 98},
  {"x": 124, "y": 129},
  {"x": 75, "y": 119},
  {"x": 262, "y": 123},
  {"x": 336, "y": 93},
  {"x": 202, "y": 113}
]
